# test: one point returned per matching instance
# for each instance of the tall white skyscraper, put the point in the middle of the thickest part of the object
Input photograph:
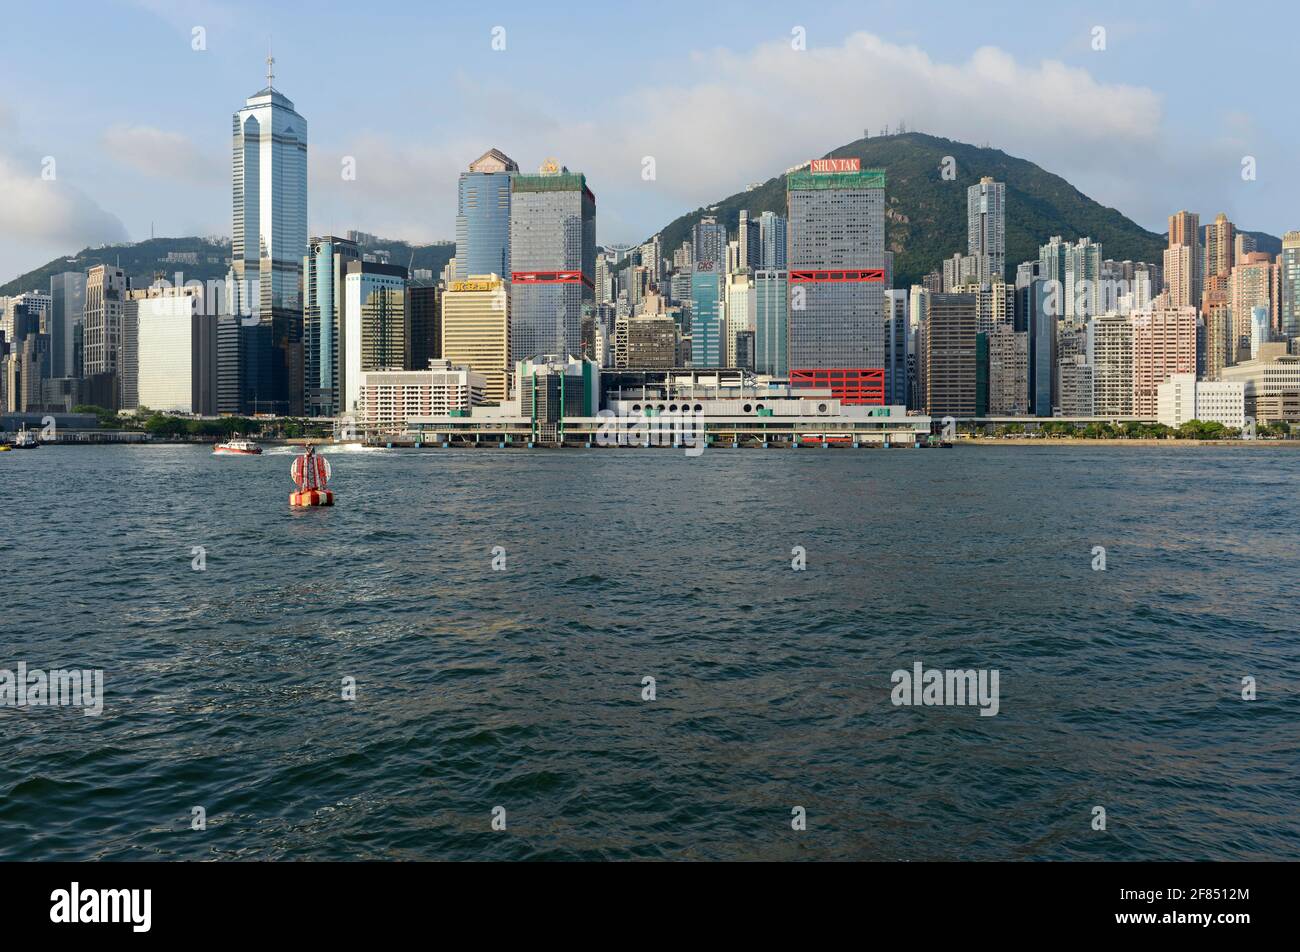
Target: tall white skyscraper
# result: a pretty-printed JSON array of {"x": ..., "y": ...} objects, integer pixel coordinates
[
  {"x": 986, "y": 228},
  {"x": 268, "y": 244}
]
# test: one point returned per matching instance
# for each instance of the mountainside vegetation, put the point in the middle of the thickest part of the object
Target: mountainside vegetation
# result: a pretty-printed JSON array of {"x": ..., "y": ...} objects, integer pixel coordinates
[{"x": 925, "y": 214}]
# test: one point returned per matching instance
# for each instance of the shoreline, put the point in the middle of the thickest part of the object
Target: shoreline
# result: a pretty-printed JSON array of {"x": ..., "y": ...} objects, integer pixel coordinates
[
  {"x": 1082, "y": 441},
  {"x": 958, "y": 442}
]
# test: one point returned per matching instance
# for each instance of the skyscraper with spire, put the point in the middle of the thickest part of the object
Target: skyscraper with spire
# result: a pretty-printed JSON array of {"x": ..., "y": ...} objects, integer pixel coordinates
[{"x": 267, "y": 248}]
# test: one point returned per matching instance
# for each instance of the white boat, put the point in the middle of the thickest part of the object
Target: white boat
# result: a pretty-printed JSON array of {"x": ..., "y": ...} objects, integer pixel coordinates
[
  {"x": 25, "y": 439},
  {"x": 237, "y": 448}
]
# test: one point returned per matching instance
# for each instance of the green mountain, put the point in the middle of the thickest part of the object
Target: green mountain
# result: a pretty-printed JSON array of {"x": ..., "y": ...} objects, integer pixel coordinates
[
  {"x": 925, "y": 215},
  {"x": 141, "y": 260},
  {"x": 925, "y": 219},
  {"x": 202, "y": 259}
]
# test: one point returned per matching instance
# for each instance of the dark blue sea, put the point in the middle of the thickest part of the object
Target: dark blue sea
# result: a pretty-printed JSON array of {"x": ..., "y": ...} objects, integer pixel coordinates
[{"x": 522, "y": 688}]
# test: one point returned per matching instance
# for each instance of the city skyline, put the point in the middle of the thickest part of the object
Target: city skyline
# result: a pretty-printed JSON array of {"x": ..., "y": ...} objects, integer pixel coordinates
[{"x": 129, "y": 165}]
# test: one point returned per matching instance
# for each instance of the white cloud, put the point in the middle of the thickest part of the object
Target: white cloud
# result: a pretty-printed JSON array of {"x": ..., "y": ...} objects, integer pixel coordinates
[
  {"x": 43, "y": 214},
  {"x": 747, "y": 116},
  {"x": 400, "y": 191},
  {"x": 34, "y": 210},
  {"x": 161, "y": 154},
  {"x": 735, "y": 118}
]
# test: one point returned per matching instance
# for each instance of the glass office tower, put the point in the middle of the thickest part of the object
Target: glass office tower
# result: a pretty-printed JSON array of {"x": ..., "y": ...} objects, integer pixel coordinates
[
  {"x": 770, "y": 327},
  {"x": 706, "y": 315},
  {"x": 267, "y": 247},
  {"x": 376, "y": 325},
  {"x": 553, "y": 262},
  {"x": 483, "y": 216},
  {"x": 836, "y": 235},
  {"x": 322, "y": 321}
]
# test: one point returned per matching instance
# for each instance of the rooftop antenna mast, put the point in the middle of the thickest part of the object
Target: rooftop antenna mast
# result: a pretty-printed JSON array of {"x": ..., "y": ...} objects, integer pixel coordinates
[{"x": 270, "y": 67}]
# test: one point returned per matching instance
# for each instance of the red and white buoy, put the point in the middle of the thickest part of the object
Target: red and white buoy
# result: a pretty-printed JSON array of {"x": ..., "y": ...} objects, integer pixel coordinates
[{"x": 311, "y": 473}]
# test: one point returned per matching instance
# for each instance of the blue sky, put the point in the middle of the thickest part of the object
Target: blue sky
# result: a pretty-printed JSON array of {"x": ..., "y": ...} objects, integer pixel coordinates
[{"x": 138, "y": 121}]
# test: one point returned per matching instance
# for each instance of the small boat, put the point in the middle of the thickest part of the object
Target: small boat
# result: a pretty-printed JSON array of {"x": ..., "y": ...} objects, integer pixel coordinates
[
  {"x": 25, "y": 439},
  {"x": 237, "y": 448},
  {"x": 5, "y": 447}
]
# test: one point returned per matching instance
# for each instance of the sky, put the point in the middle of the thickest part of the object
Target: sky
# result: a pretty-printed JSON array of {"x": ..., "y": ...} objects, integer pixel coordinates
[{"x": 115, "y": 117}]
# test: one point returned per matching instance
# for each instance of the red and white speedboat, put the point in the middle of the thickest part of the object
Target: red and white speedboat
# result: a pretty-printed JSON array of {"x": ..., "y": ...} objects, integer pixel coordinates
[{"x": 237, "y": 448}]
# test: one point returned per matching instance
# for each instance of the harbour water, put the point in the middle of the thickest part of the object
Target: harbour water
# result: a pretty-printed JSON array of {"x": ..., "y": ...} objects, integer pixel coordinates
[{"x": 522, "y": 686}]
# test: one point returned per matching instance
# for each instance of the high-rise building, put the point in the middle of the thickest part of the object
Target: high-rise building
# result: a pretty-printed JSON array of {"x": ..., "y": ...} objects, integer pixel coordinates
[
  {"x": 1220, "y": 247},
  {"x": 1008, "y": 371},
  {"x": 1127, "y": 286},
  {"x": 269, "y": 239},
  {"x": 1218, "y": 348},
  {"x": 25, "y": 368},
  {"x": 1243, "y": 245},
  {"x": 1076, "y": 386},
  {"x": 476, "y": 330},
  {"x": 1180, "y": 272},
  {"x": 1184, "y": 263},
  {"x": 996, "y": 303},
  {"x": 1251, "y": 286},
  {"x": 1110, "y": 354},
  {"x": 948, "y": 353},
  {"x": 172, "y": 360},
  {"x": 1164, "y": 343},
  {"x": 67, "y": 311},
  {"x": 1073, "y": 270},
  {"x": 1037, "y": 316},
  {"x": 772, "y": 242},
  {"x": 836, "y": 231},
  {"x": 483, "y": 216},
  {"x": 707, "y": 316},
  {"x": 709, "y": 242},
  {"x": 324, "y": 268},
  {"x": 652, "y": 260},
  {"x": 749, "y": 242},
  {"x": 106, "y": 288},
  {"x": 684, "y": 256},
  {"x": 679, "y": 290},
  {"x": 986, "y": 235},
  {"x": 635, "y": 282},
  {"x": 604, "y": 279},
  {"x": 553, "y": 257},
  {"x": 897, "y": 347},
  {"x": 960, "y": 271},
  {"x": 426, "y": 325},
  {"x": 770, "y": 322},
  {"x": 651, "y": 342},
  {"x": 739, "y": 311},
  {"x": 1288, "y": 266},
  {"x": 376, "y": 324}
]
